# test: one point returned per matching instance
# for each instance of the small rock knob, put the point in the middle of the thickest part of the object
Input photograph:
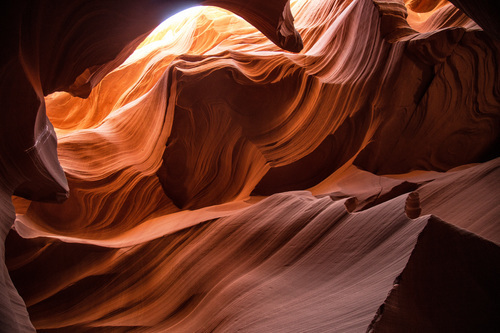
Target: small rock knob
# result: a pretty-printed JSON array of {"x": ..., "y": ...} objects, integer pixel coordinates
[{"x": 412, "y": 207}]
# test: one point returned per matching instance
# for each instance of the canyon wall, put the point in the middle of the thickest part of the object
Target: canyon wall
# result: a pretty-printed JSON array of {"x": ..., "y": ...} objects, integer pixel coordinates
[{"x": 304, "y": 166}]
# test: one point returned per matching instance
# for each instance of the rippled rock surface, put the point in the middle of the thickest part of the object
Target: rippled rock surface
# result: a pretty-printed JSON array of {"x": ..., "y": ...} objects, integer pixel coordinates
[{"x": 230, "y": 175}]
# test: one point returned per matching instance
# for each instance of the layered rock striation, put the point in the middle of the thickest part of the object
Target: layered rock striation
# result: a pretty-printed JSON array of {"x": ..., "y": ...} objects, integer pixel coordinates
[{"x": 213, "y": 181}]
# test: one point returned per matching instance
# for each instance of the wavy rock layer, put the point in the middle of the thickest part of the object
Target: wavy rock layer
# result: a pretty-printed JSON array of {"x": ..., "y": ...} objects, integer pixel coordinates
[
  {"x": 52, "y": 45},
  {"x": 218, "y": 183},
  {"x": 292, "y": 260}
]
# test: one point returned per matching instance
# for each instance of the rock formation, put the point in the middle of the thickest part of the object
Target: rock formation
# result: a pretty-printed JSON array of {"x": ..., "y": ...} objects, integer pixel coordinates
[{"x": 304, "y": 166}]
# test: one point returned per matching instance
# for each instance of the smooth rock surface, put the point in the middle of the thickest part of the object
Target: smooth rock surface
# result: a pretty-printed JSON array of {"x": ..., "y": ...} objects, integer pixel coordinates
[{"x": 322, "y": 166}]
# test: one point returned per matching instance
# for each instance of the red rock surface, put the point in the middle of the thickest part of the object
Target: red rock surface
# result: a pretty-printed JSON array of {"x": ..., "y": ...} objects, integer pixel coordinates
[{"x": 220, "y": 183}]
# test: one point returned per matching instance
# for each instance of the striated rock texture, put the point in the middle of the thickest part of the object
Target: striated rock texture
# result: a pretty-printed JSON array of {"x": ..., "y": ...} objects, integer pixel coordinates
[
  {"x": 221, "y": 174},
  {"x": 53, "y": 45}
]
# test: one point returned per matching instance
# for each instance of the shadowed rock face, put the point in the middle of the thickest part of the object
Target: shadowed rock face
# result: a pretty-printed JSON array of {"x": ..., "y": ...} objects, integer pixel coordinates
[
  {"x": 219, "y": 182},
  {"x": 448, "y": 268}
]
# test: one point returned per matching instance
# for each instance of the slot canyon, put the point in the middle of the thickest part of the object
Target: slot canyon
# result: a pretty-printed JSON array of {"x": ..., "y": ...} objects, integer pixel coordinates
[{"x": 250, "y": 166}]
